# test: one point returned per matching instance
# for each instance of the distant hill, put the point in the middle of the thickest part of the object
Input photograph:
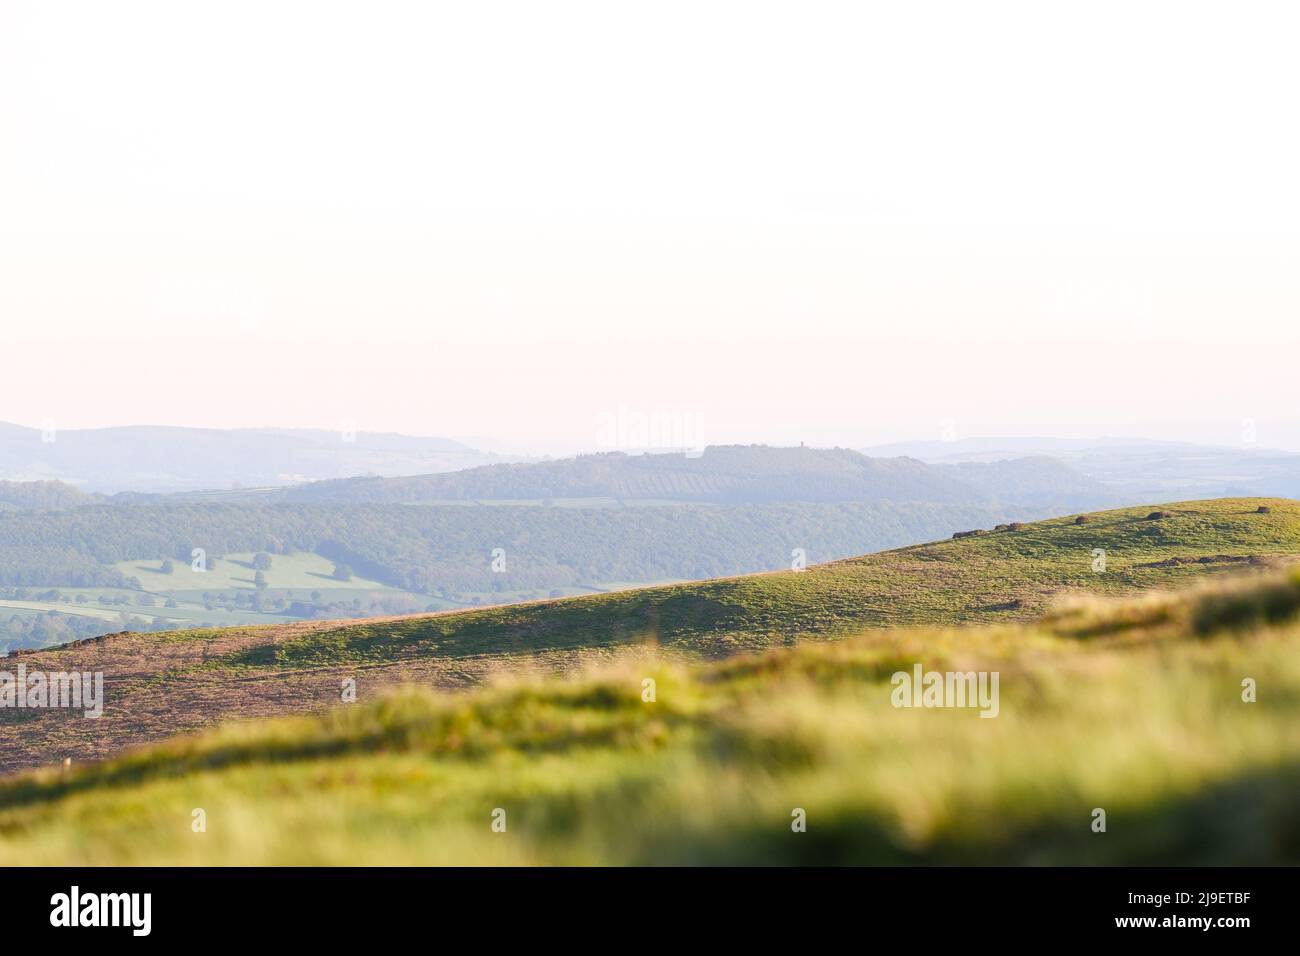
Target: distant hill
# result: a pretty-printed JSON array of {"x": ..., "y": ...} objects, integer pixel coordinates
[
  {"x": 1133, "y": 469},
  {"x": 1037, "y": 480},
  {"x": 999, "y": 448},
  {"x": 164, "y": 459},
  {"x": 731, "y": 474},
  {"x": 36, "y": 495}
]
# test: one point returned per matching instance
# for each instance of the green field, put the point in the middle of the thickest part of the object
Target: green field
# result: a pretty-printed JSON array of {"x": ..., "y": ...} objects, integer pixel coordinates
[
  {"x": 198, "y": 596},
  {"x": 300, "y": 571},
  {"x": 222, "y": 596},
  {"x": 184, "y": 615},
  {"x": 44, "y": 607},
  {"x": 296, "y": 577}
]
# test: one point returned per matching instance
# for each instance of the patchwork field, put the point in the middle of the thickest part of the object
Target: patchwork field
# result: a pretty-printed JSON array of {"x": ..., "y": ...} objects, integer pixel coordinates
[
  {"x": 300, "y": 571},
  {"x": 171, "y": 594}
]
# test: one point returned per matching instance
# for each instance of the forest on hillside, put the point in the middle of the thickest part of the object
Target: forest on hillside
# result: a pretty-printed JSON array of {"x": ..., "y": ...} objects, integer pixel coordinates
[
  {"x": 434, "y": 550},
  {"x": 731, "y": 474}
]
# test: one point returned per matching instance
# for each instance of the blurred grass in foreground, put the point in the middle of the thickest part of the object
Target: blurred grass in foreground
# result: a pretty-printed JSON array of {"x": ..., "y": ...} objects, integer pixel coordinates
[{"x": 1134, "y": 707}]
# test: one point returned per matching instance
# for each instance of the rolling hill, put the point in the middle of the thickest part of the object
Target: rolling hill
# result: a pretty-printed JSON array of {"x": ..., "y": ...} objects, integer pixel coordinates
[
  {"x": 729, "y": 474},
  {"x": 145, "y": 458},
  {"x": 160, "y": 683},
  {"x": 42, "y": 495},
  {"x": 1134, "y": 469},
  {"x": 75, "y": 565},
  {"x": 1132, "y": 708},
  {"x": 76, "y": 561}
]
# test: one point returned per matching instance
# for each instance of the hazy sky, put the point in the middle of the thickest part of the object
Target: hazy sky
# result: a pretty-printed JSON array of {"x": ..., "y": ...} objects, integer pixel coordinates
[{"x": 838, "y": 223}]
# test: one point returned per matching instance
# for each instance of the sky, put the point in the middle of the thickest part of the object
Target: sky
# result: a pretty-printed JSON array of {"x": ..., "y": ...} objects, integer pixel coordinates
[{"x": 538, "y": 225}]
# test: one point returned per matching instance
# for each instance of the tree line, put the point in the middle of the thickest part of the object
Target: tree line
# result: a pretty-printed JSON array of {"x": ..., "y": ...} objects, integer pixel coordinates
[{"x": 440, "y": 549}]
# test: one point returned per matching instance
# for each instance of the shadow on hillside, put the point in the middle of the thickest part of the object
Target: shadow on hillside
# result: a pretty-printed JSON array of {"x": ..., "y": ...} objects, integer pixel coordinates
[
  {"x": 519, "y": 629},
  {"x": 1252, "y": 819}
]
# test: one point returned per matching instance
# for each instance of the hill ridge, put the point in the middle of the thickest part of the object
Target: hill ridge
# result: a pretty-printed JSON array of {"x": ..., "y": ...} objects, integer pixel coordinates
[{"x": 727, "y": 474}]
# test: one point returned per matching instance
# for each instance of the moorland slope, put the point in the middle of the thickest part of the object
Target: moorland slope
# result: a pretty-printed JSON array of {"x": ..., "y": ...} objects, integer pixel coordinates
[{"x": 161, "y": 683}]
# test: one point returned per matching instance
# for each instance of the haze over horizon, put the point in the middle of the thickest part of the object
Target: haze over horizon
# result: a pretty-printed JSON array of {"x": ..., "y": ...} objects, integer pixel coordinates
[
  {"x": 622, "y": 430},
  {"x": 476, "y": 222}
]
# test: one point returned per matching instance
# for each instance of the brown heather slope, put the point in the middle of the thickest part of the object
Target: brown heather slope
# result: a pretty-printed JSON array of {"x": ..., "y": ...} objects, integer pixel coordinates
[{"x": 160, "y": 684}]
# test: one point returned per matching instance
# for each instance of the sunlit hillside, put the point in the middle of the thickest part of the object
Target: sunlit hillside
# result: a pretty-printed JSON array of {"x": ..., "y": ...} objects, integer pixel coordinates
[
  {"x": 158, "y": 684},
  {"x": 1177, "y": 715}
]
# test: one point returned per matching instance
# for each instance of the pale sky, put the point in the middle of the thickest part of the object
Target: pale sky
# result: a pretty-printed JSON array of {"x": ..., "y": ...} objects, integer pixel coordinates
[{"x": 838, "y": 223}]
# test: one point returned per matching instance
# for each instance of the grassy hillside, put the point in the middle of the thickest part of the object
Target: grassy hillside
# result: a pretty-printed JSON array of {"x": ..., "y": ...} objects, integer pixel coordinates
[
  {"x": 161, "y": 683},
  {"x": 1134, "y": 708},
  {"x": 447, "y": 551},
  {"x": 1013, "y": 573}
]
